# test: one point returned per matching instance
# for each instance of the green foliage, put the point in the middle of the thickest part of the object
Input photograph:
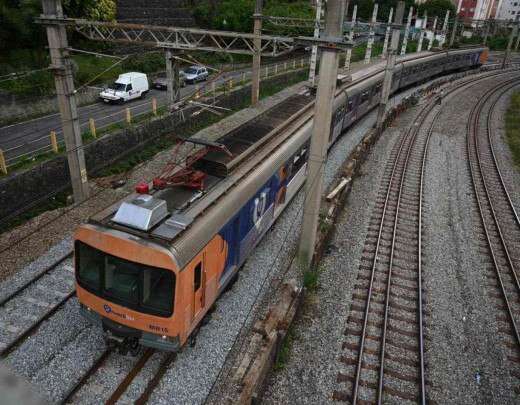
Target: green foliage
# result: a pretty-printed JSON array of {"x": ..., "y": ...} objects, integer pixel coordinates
[
  {"x": 17, "y": 27},
  {"x": 99, "y": 10},
  {"x": 513, "y": 127},
  {"x": 437, "y": 8},
  {"x": 236, "y": 15}
]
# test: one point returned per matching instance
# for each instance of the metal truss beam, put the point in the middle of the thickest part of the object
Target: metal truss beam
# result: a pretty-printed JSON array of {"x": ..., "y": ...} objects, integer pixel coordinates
[{"x": 183, "y": 38}]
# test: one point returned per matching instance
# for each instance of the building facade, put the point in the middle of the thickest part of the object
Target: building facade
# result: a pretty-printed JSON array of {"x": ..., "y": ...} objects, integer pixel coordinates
[{"x": 508, "y": 10}]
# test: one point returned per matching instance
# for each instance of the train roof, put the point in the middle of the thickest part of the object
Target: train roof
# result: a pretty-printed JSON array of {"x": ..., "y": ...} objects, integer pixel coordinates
[{"x": 164, "y": 214}]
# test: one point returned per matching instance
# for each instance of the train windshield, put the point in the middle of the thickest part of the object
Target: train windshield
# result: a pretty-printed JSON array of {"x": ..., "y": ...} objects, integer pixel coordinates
[{"x": 143, "y": 288}]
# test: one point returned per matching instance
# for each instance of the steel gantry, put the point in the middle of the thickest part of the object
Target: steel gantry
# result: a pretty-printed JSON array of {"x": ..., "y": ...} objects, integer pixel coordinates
[{"x": 192, "y": 39}]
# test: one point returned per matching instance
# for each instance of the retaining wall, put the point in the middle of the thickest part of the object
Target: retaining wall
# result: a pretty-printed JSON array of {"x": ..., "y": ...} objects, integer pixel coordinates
[{"x": 176, "y": 13}]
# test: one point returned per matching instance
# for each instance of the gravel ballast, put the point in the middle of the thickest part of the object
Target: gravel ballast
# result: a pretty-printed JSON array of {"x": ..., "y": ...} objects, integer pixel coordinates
[{"x": 464, "y": 355}]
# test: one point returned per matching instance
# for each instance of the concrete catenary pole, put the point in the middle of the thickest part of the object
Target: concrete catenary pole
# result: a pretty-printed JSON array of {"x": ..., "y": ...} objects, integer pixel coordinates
[
  {"x": 257, "y": 56},
  {"x": 314, "y": 52},
  {"x": 390, "y": 65},
  {"x": 407, "y": 31},
  {"x": 512, "y": 35},
  {"x": 348, "y": 56},
  {"x": 486, "y": 33},
  {"x": 454, "y": 31},
  {"x": 320, "y": 132},
  {"x": 62, "y": 68},
  {"x": 370, "y": 43},
  {"x": 432, "y": 40},
  {"x": 173, "y": 86},
  {"x": 517, "y": 38},
  {"x": 387, "y": 33},
  {"x": 444, "y": 29},
  {"x": 421, "y": 33}
]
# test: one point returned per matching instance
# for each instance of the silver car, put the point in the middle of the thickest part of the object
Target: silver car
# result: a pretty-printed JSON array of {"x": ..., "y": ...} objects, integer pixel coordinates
[{"x": 196, "y": 74}]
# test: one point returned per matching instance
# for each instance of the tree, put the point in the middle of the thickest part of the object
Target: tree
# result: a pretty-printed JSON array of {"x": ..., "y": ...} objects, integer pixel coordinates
[
  {"x": 437, "y": 8},
  {"x": 99, "y": 10}
]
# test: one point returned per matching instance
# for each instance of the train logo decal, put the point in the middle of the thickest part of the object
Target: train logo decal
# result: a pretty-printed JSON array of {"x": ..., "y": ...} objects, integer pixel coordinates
[{"x": 107, "y": 308}]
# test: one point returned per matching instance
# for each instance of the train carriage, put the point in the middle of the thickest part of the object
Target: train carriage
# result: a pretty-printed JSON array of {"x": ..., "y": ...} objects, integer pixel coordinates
[{"x": 149, "y": 267}]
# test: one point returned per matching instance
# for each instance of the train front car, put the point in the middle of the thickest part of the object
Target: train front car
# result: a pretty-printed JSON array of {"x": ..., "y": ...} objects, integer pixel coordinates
[{"x": 127, "y": 286}]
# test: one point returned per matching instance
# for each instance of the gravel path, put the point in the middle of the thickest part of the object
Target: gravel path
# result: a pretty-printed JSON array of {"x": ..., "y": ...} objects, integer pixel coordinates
[{"x": 465, "y": 362}]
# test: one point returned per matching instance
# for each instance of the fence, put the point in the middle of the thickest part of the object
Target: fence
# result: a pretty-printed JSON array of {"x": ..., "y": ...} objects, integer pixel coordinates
[{"x": 92, "y": 128}]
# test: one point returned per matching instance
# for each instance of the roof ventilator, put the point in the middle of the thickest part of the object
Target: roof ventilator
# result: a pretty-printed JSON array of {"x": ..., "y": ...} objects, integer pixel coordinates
[{"x": 143, "y": 212}]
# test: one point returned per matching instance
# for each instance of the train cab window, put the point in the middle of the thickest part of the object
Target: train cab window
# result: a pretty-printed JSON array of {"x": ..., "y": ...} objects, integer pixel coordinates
[
  {"x": 197, "y": 274},
  {"x": 146, "y": 289}
]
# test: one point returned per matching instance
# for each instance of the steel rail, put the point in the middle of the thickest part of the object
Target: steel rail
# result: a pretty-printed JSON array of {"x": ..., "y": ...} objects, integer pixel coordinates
[
  {"x": 84, "y": 378},
  {"x": 152, "y": 384},
  {"x": 422, "y": 120},
  {"x": 374, "y": 264},
  {"x": 24, "y": 286},
  {"x": 130, "y": 377},
  {"x": 472, "y": 129}
]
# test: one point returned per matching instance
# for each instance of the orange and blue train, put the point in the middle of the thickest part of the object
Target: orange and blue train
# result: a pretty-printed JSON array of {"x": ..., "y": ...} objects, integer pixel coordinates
[{"x": 149, "y": 267}]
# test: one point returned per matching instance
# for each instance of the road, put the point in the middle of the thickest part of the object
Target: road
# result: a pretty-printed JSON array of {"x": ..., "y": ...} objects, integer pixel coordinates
[{"x": 28, "y": 137}]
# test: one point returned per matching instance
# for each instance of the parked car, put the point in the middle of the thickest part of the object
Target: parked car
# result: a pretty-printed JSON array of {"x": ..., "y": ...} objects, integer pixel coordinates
[
  {"x": 196, "y": 74},
  {"x": 161, "y": 83},
  {"x": 127, "y": 87}
]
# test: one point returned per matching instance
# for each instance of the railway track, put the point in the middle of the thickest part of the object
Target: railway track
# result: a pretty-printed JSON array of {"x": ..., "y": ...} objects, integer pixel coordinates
[
  {"x": 26, "y": 308},
  {"x": 500, "y": 223},
  {"x": 139, "y": 367},
  {"x": 383, "y": 354}
]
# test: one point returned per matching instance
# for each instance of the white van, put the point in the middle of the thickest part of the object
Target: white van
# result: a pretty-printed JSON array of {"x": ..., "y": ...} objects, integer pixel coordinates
[{"x": 127, "y": 87}]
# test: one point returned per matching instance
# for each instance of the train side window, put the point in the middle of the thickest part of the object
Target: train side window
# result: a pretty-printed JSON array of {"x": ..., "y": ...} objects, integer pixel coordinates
[{"x": 197, "y": 274}]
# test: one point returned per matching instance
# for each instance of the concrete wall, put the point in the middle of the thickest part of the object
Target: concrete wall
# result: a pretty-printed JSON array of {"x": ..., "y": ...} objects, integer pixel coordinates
[
  {"x": 39, "y": 183},
  {"x": 157, "y": 12}
]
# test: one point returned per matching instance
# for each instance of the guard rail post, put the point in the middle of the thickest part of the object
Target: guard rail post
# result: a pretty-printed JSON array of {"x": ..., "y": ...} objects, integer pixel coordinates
[
  {"x": 154, "y": 106},
  {"x": 128, "y": 116},
  {"x": 54, "y": 142},
  {"x": 243, "y": 78},
  {"x": 3, "y": 165},
  {"x": 92, "y": 127}
]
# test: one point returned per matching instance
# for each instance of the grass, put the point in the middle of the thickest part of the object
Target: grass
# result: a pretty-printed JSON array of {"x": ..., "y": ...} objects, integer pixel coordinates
[
  {"x": 513, "y": 127},
  {"x": 285, "y": 350}
]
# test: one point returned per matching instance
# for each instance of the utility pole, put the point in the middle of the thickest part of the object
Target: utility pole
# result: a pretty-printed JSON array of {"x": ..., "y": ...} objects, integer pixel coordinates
[
  {"x": 62, "y": 69},
  {"x": 454, "y": 31},
  {"x": 517, "y": 38},
  {"x": 370, "y": 43},
  {"x": 257, "y": 56},
  {"x": 348, "y": 56},
  {"x": 407, "y": 31},
  {"x": 486, "y": 34},
  {"x": 314, "y": 54},
  {"x": 172, "y": 79},
  {"x": 444, "y": 30},
  {"x": 512, "y": 35},
  {"x": 387, "y": 34},
  {"x": 321, "y": 131},
  {"x": 390, "y": 65},
  {"x": 430, "y": 42},
  {"x": 421, "y": 33}
]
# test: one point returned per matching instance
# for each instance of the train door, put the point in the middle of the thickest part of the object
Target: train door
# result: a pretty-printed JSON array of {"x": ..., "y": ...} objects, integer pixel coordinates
[{"x": 199, "y": 288}]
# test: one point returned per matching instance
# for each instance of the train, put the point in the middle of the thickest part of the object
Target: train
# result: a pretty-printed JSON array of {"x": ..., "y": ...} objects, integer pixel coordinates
[{"x": 149, "y": 267}]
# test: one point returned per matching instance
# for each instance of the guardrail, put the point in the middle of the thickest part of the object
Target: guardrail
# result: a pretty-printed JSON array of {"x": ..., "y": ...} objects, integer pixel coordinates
[{"x": 153, "y": 108}]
